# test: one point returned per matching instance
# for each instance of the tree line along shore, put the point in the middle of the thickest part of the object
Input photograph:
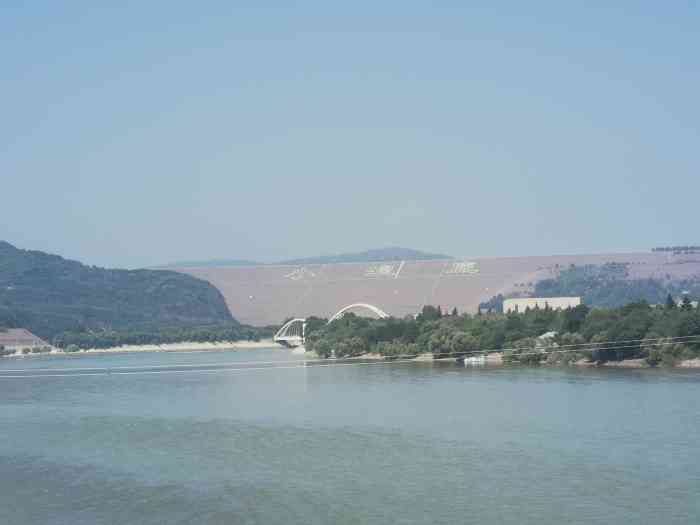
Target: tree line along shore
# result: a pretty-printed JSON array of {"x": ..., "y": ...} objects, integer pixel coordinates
[
  {"x": 71, "y": 342},
  {"x": 654, "y": 335},
  {"x": 665, "y": 335}
]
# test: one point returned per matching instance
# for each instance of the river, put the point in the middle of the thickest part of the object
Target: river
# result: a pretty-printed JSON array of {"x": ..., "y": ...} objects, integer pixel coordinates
[{"x": 204, "y": 437}]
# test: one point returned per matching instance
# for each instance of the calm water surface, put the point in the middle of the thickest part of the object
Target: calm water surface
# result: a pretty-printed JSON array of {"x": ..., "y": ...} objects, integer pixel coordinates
[{"x": 183, "y": 438}]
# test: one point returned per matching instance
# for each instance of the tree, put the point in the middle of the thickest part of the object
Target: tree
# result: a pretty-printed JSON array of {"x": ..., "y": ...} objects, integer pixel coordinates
[
  {"x": 670, "y": 303},
  {"x": 429, "y": 313},
  {"x": 322, "y": 347},
  {"x": 574, "y": 318},
  {"x": 525, "y": 351},
  {"x": 686, "y": 304},
  {"x": 314, "y": 324},
  {"x": 462, "y": 342},
  {"x": 581, "y": 333},
  {"x": 515, "y": 328},
  {"x": 4, "y": 352},
  {"x": 439, "y": 342},
  {"x": 455, "y": 313},
  {"x": 87, "y": 298}
]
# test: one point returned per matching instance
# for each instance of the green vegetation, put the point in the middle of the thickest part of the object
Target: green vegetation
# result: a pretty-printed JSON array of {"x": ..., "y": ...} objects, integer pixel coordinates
[
  {"x": 36, "y": 350},
  {"x": 232, "y": 331},
  {"x": 605, "y": 286},
  {"x": 527, "y": 337},
  {"x": 608, "y": 286},
  {"x": 495, "y": 304},
  {"x": 52, "y": 296}
]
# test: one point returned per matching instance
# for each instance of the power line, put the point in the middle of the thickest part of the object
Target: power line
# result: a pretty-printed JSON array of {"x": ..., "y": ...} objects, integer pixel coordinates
[
  {"x": 273, "y": 365},
  {"x": 582, "y": 347},
  {"x": 302, "y": 364}
]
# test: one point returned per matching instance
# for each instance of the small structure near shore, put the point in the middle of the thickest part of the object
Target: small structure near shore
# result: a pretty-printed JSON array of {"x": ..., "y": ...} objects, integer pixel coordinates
[{"x": 20, "y": 339}]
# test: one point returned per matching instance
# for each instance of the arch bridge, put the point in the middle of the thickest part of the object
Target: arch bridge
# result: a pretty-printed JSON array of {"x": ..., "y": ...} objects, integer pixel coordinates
[
  {"x": 359, "y": 306},
  {"x": 293, "y": 332}
]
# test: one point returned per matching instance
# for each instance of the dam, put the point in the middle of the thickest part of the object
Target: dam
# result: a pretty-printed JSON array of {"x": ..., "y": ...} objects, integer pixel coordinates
[{"x": 268, "y": 294}]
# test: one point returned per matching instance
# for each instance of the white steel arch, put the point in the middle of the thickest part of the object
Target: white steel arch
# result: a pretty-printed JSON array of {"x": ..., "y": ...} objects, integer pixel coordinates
[
  {"x": 378, "y": 312},
  {"x": 291, "y": 333}
]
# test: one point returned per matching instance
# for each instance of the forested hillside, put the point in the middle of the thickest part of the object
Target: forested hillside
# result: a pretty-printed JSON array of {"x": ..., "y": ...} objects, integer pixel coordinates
[
  {"x": 49, "y": 295},
  {"x": 661, "y": 335},
  {"x": 609, "y": 286}
]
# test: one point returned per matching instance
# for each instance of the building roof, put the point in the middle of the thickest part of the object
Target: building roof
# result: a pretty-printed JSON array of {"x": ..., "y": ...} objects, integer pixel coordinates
[{"x": 20, "y": 337}]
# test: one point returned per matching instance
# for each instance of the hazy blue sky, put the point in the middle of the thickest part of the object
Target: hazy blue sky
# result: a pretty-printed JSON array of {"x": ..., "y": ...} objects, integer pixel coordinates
[{"x": 158, "y": 131}]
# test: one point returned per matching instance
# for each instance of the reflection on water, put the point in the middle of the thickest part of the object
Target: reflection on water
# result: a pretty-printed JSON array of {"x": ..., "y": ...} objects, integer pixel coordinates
[{"x": 211, "y": 442}]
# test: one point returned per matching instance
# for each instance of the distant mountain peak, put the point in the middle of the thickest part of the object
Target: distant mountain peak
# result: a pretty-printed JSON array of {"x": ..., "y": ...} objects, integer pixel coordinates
[
  {"x": 209, "y": 263},
  {"x": 393, "y": 253}
]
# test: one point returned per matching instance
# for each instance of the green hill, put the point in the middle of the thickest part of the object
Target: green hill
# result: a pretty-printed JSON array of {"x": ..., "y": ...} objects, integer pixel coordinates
[
  {"x": 609, "y": 286},
  {"x": 48, "y": 295},
  {"x": 376, "y": 255}
]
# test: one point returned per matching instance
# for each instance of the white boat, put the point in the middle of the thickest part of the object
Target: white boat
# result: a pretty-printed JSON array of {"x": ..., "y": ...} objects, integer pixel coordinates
[{"x": 473, "y": 360}]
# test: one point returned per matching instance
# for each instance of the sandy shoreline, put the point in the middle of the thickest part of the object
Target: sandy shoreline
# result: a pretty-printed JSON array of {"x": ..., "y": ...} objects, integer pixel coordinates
[
  {"x": 492, "y": 359},
  {"x": 167, "y": 347}
]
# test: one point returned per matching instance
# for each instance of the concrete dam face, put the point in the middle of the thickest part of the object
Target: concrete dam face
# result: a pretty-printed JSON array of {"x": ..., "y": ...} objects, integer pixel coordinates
[{"x": 266, "y": 295}]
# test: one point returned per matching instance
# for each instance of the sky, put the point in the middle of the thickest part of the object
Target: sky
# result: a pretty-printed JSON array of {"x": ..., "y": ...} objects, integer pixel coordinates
[{"x": 150, "y": 132}]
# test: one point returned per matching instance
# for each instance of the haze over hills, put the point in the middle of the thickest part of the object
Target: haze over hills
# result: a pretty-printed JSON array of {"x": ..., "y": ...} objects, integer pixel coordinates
[
  {"x": 268, "y": 294},
  {"x": 51, "y": 295},
  {"x": 48, "y": 294},
  {"x": 373, "y": 255},
  {"x": 209, "y": 263}
]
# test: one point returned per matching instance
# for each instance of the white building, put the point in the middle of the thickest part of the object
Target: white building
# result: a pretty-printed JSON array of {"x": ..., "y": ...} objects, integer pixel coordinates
[{"x": 555, "y": 303}]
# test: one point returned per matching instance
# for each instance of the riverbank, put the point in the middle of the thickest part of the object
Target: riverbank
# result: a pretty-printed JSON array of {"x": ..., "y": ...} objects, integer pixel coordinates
[
  {"x": 492, "y": 359},
  {"x": 636, "y": 363},
  {"x": 185, "y": 346},
  {"x": 496, "y": 359}
]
